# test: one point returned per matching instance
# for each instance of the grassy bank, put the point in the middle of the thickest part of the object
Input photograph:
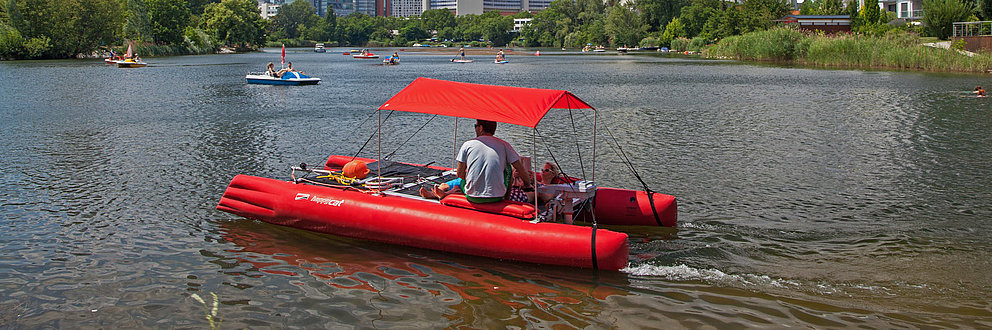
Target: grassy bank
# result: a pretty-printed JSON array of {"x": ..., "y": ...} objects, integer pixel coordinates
[{"x": 895, "y": 50}]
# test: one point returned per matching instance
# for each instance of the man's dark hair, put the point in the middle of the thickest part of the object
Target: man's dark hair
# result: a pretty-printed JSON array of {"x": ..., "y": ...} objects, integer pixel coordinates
[{"x": 488, "y": 126}]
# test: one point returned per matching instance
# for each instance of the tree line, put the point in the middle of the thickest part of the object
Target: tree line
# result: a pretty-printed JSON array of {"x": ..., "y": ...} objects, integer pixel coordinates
[{"x": 67, "y": 28}]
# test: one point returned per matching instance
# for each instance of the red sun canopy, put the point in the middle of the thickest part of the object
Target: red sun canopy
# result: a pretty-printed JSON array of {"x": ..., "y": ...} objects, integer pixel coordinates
[{"x": 512, "y": 105}]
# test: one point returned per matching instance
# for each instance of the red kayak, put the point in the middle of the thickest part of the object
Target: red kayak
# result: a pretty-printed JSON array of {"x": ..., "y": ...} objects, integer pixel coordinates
[{"x": 386, "y": 207}]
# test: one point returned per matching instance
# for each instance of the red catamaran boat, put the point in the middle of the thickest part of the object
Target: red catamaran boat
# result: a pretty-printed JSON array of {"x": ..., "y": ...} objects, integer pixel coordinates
[{"x": 387, "y": 208}]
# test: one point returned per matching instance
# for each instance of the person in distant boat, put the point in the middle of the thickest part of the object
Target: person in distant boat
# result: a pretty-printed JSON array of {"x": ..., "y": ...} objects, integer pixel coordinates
[
  {"x": 289, "y": 68},
  {"x": 270, "y": 69},
  {"x": 461, "y": 52},
  {"x": 500, "y": 56},
  {"x": 980, "y": 91},
  {"x": 485, "y": 164}
]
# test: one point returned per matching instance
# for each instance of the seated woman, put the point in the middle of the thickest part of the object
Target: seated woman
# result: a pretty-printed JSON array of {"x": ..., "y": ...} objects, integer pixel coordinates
[
  {"x": 550, "y": 174},
  {"x": 270, "y": 69}
]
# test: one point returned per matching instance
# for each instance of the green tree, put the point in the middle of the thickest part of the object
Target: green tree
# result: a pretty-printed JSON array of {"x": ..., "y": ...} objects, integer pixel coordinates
[
  {"x": 711, "y": 29},
  {"x": 138, "y": 26},
  {"x": 656, "y": 14},
  {"x": 196, "y": 6},
  {"x": 169, "y": 19},
  {"x": 413, "y": 32},
  {"x": 830, "y": 7},
  {"x": 11, "y": 42},
  {"x": 235, "y": 22},
  {"x": 757, "y": 15},
  {"x": 852, "y": 11},
  {"x": 674, "y": 29},
  {"x": 64, "y": 28},
  {"x": 808, "y": 8},
  {"x": 694, "y": 16},
  {"x": 437, "y": 19},
  {"x": 623, "y": 26},
  {"x": 822, "y": 7},
  {"x": 293, "y": 19},
  {"x": 355, "y": 29},
  {"x": 870, "y": 13},
  {"x": 984, "y": 8},
  {"x": 939, "y": 14},
  {"x": 493, "y": 27}
]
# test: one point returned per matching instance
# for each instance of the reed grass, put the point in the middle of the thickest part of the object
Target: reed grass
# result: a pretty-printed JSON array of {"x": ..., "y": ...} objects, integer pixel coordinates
[
  {"x": 894, "y": 50},
  {"x": 210, "y": 312}
]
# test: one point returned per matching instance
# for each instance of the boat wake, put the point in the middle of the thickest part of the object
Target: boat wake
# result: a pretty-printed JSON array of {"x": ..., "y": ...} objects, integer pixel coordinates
[{"x": 684, "y": 273}]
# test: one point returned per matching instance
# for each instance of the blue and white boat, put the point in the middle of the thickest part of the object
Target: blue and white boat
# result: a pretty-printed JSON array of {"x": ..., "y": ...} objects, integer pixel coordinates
[
  {"x": 288, "y": 78},
  {"x": 319, "y": 48}
]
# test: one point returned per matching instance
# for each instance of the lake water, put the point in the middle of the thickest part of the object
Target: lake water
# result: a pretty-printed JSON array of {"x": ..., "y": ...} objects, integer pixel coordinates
[{"x": 807, "y": 198}]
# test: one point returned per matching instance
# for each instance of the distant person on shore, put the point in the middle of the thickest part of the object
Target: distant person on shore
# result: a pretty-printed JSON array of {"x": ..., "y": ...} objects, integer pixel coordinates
[{"x": 979, "y": 91}]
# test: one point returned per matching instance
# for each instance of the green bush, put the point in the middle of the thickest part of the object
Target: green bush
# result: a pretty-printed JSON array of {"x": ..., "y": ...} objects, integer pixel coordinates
[
  {"x": 895, "y": 49},
  {"x": 696, "y": 44},
  {"x": 649, "y": 42},
  {"x": 777, "y": 44},
  {"x": 199, "y": 41},
  {"x": 680, "y": 44},
  {"x": 36, "y": 47},
  {"x": 938, "y": 16},
  {"x": 11, "y": 42}
]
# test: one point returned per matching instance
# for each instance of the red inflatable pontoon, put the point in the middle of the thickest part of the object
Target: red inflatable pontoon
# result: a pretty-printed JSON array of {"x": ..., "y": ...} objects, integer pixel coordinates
[{"x": 383, "y": 208}]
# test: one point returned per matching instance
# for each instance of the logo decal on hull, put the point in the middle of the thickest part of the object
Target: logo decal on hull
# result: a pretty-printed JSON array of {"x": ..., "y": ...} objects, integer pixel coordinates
[{"x": 319, "y": 200}]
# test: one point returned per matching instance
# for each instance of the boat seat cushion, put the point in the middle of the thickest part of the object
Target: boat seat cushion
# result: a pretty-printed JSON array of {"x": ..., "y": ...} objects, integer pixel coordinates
[{"x": 508, "y": 208}]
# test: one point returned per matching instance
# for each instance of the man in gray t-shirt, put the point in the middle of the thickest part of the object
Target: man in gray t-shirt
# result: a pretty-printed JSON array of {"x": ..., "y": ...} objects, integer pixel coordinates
[{"x": 484, "y": 163}]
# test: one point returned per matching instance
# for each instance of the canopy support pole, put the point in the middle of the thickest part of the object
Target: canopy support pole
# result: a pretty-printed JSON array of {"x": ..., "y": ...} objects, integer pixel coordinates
[
  {"x": 378, "y": 134},
  {"x": 594, "y": 117},
  {"x": 454, "y": 146},
  {"x": 533, "y": 170}
]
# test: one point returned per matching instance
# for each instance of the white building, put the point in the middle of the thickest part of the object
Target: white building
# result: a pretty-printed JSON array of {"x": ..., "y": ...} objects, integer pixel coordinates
[
  {"x": 268, "y": 10},
  {"x": 519, "y": 23},
  {"x": 477, "y": 7}
]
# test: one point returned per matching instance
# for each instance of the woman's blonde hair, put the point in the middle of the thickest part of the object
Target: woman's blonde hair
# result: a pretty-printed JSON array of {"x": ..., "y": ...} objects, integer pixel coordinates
[{"x": 552, "y": 167}]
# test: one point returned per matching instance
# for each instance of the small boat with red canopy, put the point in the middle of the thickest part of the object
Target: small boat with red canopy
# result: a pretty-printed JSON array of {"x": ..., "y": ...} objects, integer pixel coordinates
[{"x": 385, "y": 207}]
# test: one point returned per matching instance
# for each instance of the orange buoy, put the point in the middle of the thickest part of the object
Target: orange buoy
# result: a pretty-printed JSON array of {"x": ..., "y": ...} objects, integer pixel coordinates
[{"x": 355, "y": 169}]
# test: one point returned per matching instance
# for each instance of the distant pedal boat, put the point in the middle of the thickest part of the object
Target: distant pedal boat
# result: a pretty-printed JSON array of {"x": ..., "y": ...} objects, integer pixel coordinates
[
  {"x": 129, "y": 63},
  {"x": 288, "y": 78}
]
